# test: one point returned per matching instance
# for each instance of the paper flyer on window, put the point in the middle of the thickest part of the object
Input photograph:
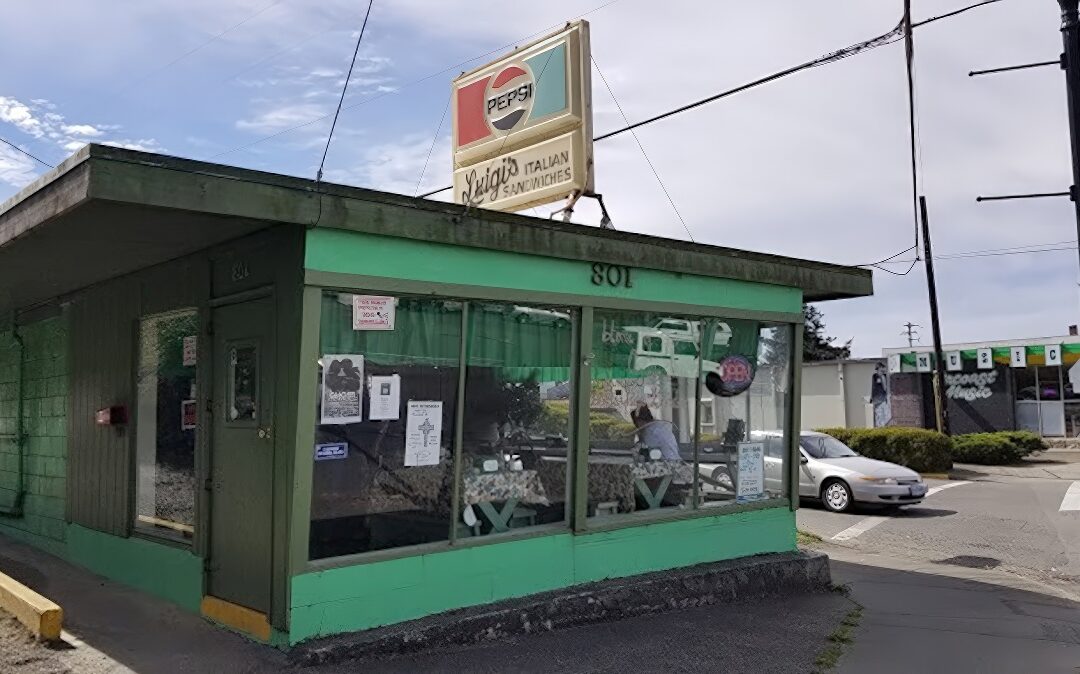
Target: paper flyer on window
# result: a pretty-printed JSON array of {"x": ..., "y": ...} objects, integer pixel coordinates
[
  {"x": 342, "y": 387},
  {"x": 423, "y": 432},
  {"x": 751, "y": 477},
  {"x": 384, "y": 398}
]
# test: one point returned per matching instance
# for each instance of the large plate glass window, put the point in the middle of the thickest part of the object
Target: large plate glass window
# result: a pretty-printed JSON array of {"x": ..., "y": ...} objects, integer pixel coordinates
[
  {"x": 386, "y": 402},
  {"x": 642, "y": 411},
  {"x": 517, "y": 417},
  {"x": 166, "y": 417}
]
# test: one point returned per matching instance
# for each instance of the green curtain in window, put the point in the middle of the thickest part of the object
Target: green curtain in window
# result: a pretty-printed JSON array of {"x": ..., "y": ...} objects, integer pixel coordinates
[{"x": 523, "y": 343}]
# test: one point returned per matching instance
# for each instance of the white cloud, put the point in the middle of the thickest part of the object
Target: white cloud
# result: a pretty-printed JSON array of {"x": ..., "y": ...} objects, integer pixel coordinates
[
  {"x": 84, "y": 130},
  {"x": 16, "y": 168},
  {"x": 14, "y": 112},
  {"x": 283, "y": 117},
  {"x": 141, "y": 145}
]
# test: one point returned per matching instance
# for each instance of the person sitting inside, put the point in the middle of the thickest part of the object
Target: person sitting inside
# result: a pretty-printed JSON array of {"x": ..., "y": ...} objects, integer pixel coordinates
[{"x": 655, "y": 433}]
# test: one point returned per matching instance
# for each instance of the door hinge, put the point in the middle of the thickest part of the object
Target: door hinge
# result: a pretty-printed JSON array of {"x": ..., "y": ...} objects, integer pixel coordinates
[{"x": 208, "y": 484}]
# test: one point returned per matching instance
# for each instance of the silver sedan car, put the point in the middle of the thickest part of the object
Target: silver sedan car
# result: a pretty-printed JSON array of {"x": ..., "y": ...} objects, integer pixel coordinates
[{"x": 839, "y": 476}]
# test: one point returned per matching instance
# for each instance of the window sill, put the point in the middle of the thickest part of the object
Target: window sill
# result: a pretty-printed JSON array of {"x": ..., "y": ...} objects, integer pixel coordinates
[{"x": 644, "y": 518}]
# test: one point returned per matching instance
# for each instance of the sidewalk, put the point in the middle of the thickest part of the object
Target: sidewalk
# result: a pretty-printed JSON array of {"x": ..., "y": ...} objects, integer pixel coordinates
[
  {"x": 915, "y": 619},
  {"x": 1053, "y": 464}
]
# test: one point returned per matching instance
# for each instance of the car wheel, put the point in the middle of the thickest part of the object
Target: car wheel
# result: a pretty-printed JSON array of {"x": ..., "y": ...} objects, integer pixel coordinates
[{"x": 836, "y": 496}]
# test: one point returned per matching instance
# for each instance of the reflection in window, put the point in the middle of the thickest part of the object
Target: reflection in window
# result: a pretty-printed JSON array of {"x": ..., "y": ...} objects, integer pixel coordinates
[
  {"x": 642, "y": 409},
  {"x": 750, "y": 378},
  {"x": 166, "y": 417},
  {"x": 372, "y": 486},
  {"x": 517, "y": 421},
  {"x": 243, "y": 378}
]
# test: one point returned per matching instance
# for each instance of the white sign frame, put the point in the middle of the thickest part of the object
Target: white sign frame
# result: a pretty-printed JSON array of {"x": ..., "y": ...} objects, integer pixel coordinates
[
  {"x": 373, "y": 312},
  {"x": 895, "y": 363},
  {"x": 923, "y": 362},
  {"x": 346, "y": 406},
  {"x": 984, "y": 359},
  {"x": 423, "y": 432},
  {"x": 1052, "y": 354},
  {"x": 954, "y": 361},
  {"x": 1018, "y": 356},
  {"x": 750, "y": 473}
]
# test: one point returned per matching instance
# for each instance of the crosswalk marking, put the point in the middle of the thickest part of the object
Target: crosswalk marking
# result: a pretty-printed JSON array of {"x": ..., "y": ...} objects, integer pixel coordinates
[
  {"x": 1072, "y": 498},
  {"x": 868, "y": 523},
  {"x": 948, "y": 485}
]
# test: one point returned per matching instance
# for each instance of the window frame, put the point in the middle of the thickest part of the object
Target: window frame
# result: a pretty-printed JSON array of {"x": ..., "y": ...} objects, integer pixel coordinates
[
  {"x": 158, "y": 535},
  {"x": 580, "y": 380}
]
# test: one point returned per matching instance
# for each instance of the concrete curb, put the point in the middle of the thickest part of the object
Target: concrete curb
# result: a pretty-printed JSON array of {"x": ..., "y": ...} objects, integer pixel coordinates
[
  {"x": 42, "y": 617},
  {"x": 733, "y": 581}
]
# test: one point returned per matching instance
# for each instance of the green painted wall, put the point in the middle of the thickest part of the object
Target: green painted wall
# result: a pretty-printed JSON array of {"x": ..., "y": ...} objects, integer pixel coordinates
[
  {"x": 163, "y": 570},
  {"x": 341, "y": 251},
  {"x": 382, "y": 593},
  {"x": 45, "y": 405}
]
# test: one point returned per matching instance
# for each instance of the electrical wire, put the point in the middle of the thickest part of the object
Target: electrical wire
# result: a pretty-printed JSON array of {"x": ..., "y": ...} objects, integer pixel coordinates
[
  {"x": 434, "y": 140},
  {"x": 19, "y": 149},
  {"x": 993, "y": 252},
  {"x": 197, "y": 48},
  {"x": 412, "y": 83},
  {"x": 641, "y": 147},
  {"x": 909, "y": 69},
  {"x": 345, "y": 88}
]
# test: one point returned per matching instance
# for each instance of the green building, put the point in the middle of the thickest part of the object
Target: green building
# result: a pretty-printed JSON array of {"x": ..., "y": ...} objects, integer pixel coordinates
[{"x": 309, "y": 409}]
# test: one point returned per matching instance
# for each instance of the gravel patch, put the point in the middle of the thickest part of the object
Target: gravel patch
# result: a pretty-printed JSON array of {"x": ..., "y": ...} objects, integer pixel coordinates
[{"x": 20, "y": 653}]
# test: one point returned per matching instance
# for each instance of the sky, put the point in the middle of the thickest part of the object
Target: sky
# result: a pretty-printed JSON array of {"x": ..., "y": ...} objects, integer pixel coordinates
[{"x": 813, "y": 166}]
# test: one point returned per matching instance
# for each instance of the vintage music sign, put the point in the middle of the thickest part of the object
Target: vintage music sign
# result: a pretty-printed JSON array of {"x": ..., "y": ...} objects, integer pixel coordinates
[{"x": 522, "y": 125}]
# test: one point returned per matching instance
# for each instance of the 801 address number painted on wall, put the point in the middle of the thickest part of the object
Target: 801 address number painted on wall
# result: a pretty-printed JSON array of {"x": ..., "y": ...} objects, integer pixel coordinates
[{"x": 611, "y": 275}]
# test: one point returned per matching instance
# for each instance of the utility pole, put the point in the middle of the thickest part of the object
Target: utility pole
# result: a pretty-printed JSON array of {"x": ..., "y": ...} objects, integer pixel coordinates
[
  {"x": 940, "y": 407},
  {"x": 910, "y": 332},
  {"x": 1070, "y": 61}
]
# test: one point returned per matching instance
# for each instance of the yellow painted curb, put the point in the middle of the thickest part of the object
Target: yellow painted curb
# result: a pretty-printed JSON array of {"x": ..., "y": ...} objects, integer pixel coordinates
[
  {"x": 239, "y": 618},
  {"x": 42, "y": 617}
]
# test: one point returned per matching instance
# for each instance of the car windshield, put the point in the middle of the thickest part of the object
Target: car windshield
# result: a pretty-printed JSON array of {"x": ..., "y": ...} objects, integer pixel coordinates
[{"x": 825, "y": 447}]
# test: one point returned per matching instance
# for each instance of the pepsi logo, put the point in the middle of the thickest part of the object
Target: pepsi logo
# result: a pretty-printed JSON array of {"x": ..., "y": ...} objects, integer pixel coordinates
[{"x": 510, "y": 97}]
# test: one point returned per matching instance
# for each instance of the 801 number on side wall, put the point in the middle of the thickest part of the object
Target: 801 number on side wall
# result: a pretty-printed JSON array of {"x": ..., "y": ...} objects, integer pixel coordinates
[{"x": 612, "y": 275}]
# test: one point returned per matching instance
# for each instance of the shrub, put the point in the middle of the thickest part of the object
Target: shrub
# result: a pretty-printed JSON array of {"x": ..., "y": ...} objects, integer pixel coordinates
[
  {"x": 1026, "y": 441},
  {"x": 556, "y": 414},
  {"x": 986, "y": 448},
  {"x": 919, "y": 449}
]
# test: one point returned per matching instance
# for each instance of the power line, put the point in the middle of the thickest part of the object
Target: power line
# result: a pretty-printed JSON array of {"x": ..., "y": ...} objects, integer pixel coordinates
[
  {"x": 352, "y": 64},
  {"x": 991, "y": 253},
  {"x": 206, "y": 43},
  {"x": 19, "y": 149},
  {"x": 412, "y": 83},
  {"x": 434, "y": 140},
  {"x": 641, "y": 147}
]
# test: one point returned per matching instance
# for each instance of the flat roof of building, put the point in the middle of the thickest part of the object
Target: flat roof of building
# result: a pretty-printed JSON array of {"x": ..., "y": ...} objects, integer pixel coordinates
[
  {"x": 970, "y": 346},
  {"x": 106, "y": 211}
]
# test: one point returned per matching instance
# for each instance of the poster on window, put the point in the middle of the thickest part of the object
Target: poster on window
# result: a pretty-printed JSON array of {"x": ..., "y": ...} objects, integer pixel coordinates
[
  {"x": 751, "y": 473},
  {"x": 188, "y": 419},
  {"x": 190, "y": 351},
  {"x": 342, "y": 386},
  {"x": 423, "y": 432},
  {"x": 384, "y": 398},
  {"x": 373, "y": 312}
]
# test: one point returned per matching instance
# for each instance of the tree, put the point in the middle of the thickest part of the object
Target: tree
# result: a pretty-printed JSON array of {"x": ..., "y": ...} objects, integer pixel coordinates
[{"x": 816, "y": 344}]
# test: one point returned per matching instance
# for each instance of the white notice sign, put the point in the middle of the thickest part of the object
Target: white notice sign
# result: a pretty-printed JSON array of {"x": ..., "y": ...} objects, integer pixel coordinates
[
  {"x": 384, "y": 398},
  {"x": 986, "y": 359},
  {"x": 373, "y": 312},
  {"x": 751, "y": 486},
  {"x": 1018, "y": 356},
  {"x": 190, "y": 350},
  {"x": 1053, "y": 354},
  {"x": 343, "y": 378},
  {"x": 953, "y": 361},
  {"x": 423, "y": 433}
]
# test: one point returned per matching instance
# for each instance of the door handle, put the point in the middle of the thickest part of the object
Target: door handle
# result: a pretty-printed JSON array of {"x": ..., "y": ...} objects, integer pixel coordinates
[{"x": 266, "y": 433}]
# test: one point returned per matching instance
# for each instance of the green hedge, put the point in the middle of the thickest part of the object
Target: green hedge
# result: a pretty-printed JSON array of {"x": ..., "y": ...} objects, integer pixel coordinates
[
  {"x": 986, "y": 448},
  {"x": 556, "y": 413},
  {"x": 919, "y": 449},
  {"x": 1026, "y": 441}
]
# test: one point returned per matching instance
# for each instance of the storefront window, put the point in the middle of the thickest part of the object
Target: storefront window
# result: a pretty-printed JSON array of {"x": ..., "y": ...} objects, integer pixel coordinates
[
  {"x": 517, "y": 421},
  {"x": 166, "y": 417},
  {"x": 643, "y": 406},
  {"x": 387, "y": 399},
  {"x": 750, "y": 377}
]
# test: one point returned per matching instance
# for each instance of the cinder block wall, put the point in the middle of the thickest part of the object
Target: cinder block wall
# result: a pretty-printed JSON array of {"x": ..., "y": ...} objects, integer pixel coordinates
[{"x": 45, "y": 404}]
